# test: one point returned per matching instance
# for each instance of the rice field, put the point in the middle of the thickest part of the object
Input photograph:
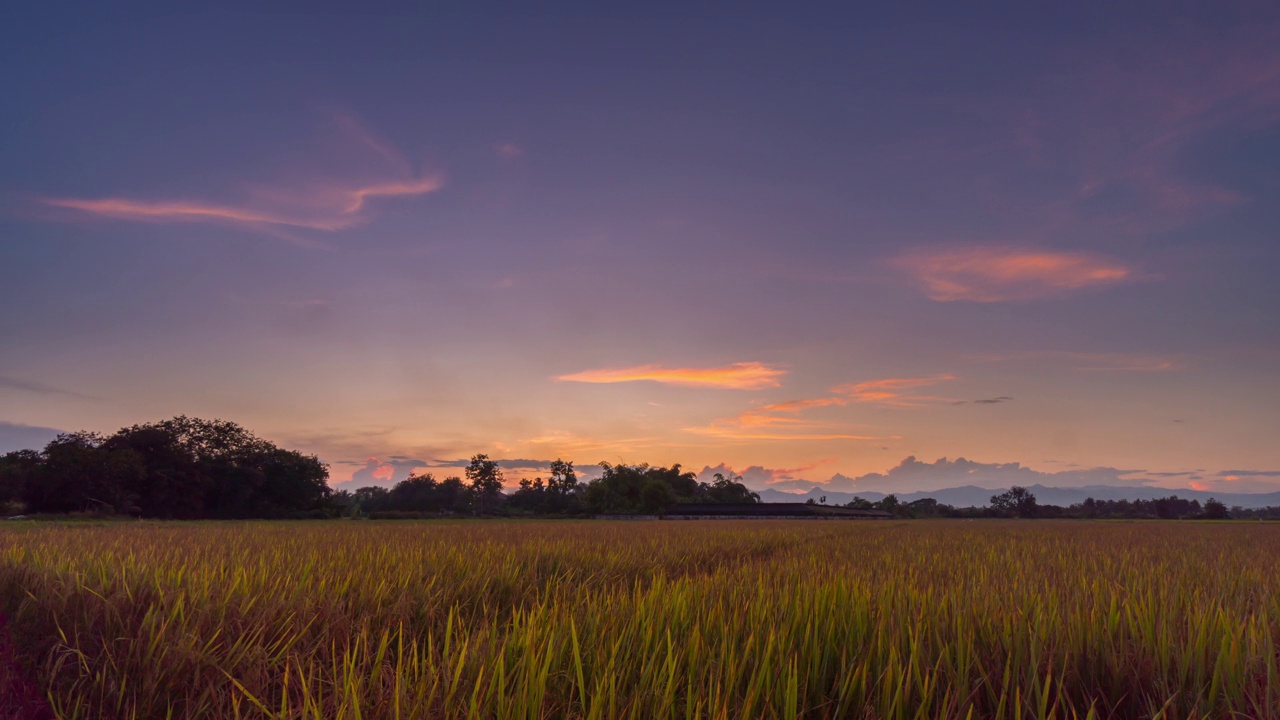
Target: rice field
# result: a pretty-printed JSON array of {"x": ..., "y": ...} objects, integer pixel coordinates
[{"x": 597, "y": 619}]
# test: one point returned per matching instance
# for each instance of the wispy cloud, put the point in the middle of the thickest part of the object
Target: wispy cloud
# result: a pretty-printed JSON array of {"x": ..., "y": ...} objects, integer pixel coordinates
[
  {"x": 899, "y": 392},
  {"x": 565, "y": 443},
  {"x": 327, "y": 205},
  {"x": 355, "y": 130},
  {"x": 742, "y": 429},
  {"x": 985, "y": 401},
  {"x": 1149, "y": 110},
  {"x": 988, "y": 274},
  {"x": 343, "y": 212},
  {"x": 1119, "y": 129},
  {"x": 783, "y": 420},
  {"x": 738, "y": 376},
  {"x": 1091, "y": 362},
  {"x": 12, "y": 383},
  {"x": 508, "y": 151}
]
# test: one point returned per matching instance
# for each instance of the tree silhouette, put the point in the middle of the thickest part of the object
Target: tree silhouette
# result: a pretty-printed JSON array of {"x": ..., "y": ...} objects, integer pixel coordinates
[
  {"x": 1214, "y": 509},
  {"x": 1017, "y": 501},
  {"x": 178, "y": 468},
  {"x": 485, "y": 479}
]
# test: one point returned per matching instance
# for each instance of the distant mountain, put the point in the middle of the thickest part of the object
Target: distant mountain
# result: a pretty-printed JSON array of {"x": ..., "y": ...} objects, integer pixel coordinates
[{"x": 973, "y": 496}]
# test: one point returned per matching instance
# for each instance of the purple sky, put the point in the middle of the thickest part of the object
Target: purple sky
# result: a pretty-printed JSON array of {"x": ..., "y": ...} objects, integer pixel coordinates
[{"x": 800, "y": 244}]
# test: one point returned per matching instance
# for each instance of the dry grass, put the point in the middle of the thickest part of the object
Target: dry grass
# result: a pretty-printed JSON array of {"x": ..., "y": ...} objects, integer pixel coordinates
[{"x": 648, "y": 619}]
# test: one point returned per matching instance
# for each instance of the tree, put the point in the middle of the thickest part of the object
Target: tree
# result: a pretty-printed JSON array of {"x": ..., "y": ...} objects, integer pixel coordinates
[
  {"x": 417, "y": 493},
  {"x": 453, "y": 494},
  {"x": 485, "y": 478},
  {"x": 370, "y": 499},
  {"x": 730, "y": 490},
  {"x": 532, "y": 495},
  {"x": 563, "y": 479},
  {"x": 1017, "y": 501},
  {"x": 1215, "y": 509},
  {"x": 656, "y": 496},
  {"x": 76, "y": 473},
  {"x": 17, "y": 468},
  {"x": 178, "y": 468},
  {"x": 889, "y": 504}
]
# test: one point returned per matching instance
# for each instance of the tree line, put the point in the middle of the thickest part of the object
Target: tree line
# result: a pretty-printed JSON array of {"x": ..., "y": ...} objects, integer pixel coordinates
[
  {"x": 182, "y": 468},
  {"x": 188, "y": 468},
  {"x": 620, "y": 490},
  {"x": 1019, "y": 502}
]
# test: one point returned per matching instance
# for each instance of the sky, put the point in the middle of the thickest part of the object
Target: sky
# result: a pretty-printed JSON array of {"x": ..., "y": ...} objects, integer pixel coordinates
[{"x": 823, "y": 245}]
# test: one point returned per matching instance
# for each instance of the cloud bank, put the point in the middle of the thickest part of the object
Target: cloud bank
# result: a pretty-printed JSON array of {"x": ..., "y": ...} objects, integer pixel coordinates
[{"x": 912, "y": 475}]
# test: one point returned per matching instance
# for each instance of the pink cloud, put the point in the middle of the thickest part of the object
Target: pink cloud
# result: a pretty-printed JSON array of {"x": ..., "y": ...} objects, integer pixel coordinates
[
  {"x": 326, "y": 205},
  {"x": 990, "y": 274},
  {"x": 1138, "y": 118},
  {"x": 344, "y": 212},
  {"x": 356, "y": 131},
  {"x": 508, "y": 151}
]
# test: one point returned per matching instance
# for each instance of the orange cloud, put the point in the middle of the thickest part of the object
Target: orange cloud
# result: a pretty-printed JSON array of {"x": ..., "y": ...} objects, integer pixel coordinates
[
  {"x": 560, "y": 441},
  {"x": 732, "y": 430},
  {"x": 997, "y": 275},
  {"x": 782, "y": 421},
  {"x": 738, "y": 376},
  {"x": 893, "y": 391}
]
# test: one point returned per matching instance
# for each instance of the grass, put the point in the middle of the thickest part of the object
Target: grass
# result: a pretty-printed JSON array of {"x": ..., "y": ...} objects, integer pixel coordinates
[{"x": 718, "y": 619}]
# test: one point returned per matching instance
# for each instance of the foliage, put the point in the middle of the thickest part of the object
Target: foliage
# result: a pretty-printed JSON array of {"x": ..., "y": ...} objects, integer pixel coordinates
[
  {"x": 646, "y": 620},
  {"x": 558, "y": 495},
  {"x": 484, "y": 478},
  {"x": 643, "y": 489},
  {"x": 178, "y": 468},
  {"x": 1017, "y": 501},
  {"x": 1214, "y": 510}
]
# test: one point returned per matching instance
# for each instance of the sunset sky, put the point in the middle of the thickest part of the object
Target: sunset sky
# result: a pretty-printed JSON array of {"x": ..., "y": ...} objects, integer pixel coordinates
[{"x": 801, "y": 243}]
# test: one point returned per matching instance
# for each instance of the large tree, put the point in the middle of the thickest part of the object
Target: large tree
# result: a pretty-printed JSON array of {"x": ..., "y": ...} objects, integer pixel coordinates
[
  {"x": 1017, "y": 501},
  {"x": 485, "y": 479},
  {"x": 178, "y": 468}
]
